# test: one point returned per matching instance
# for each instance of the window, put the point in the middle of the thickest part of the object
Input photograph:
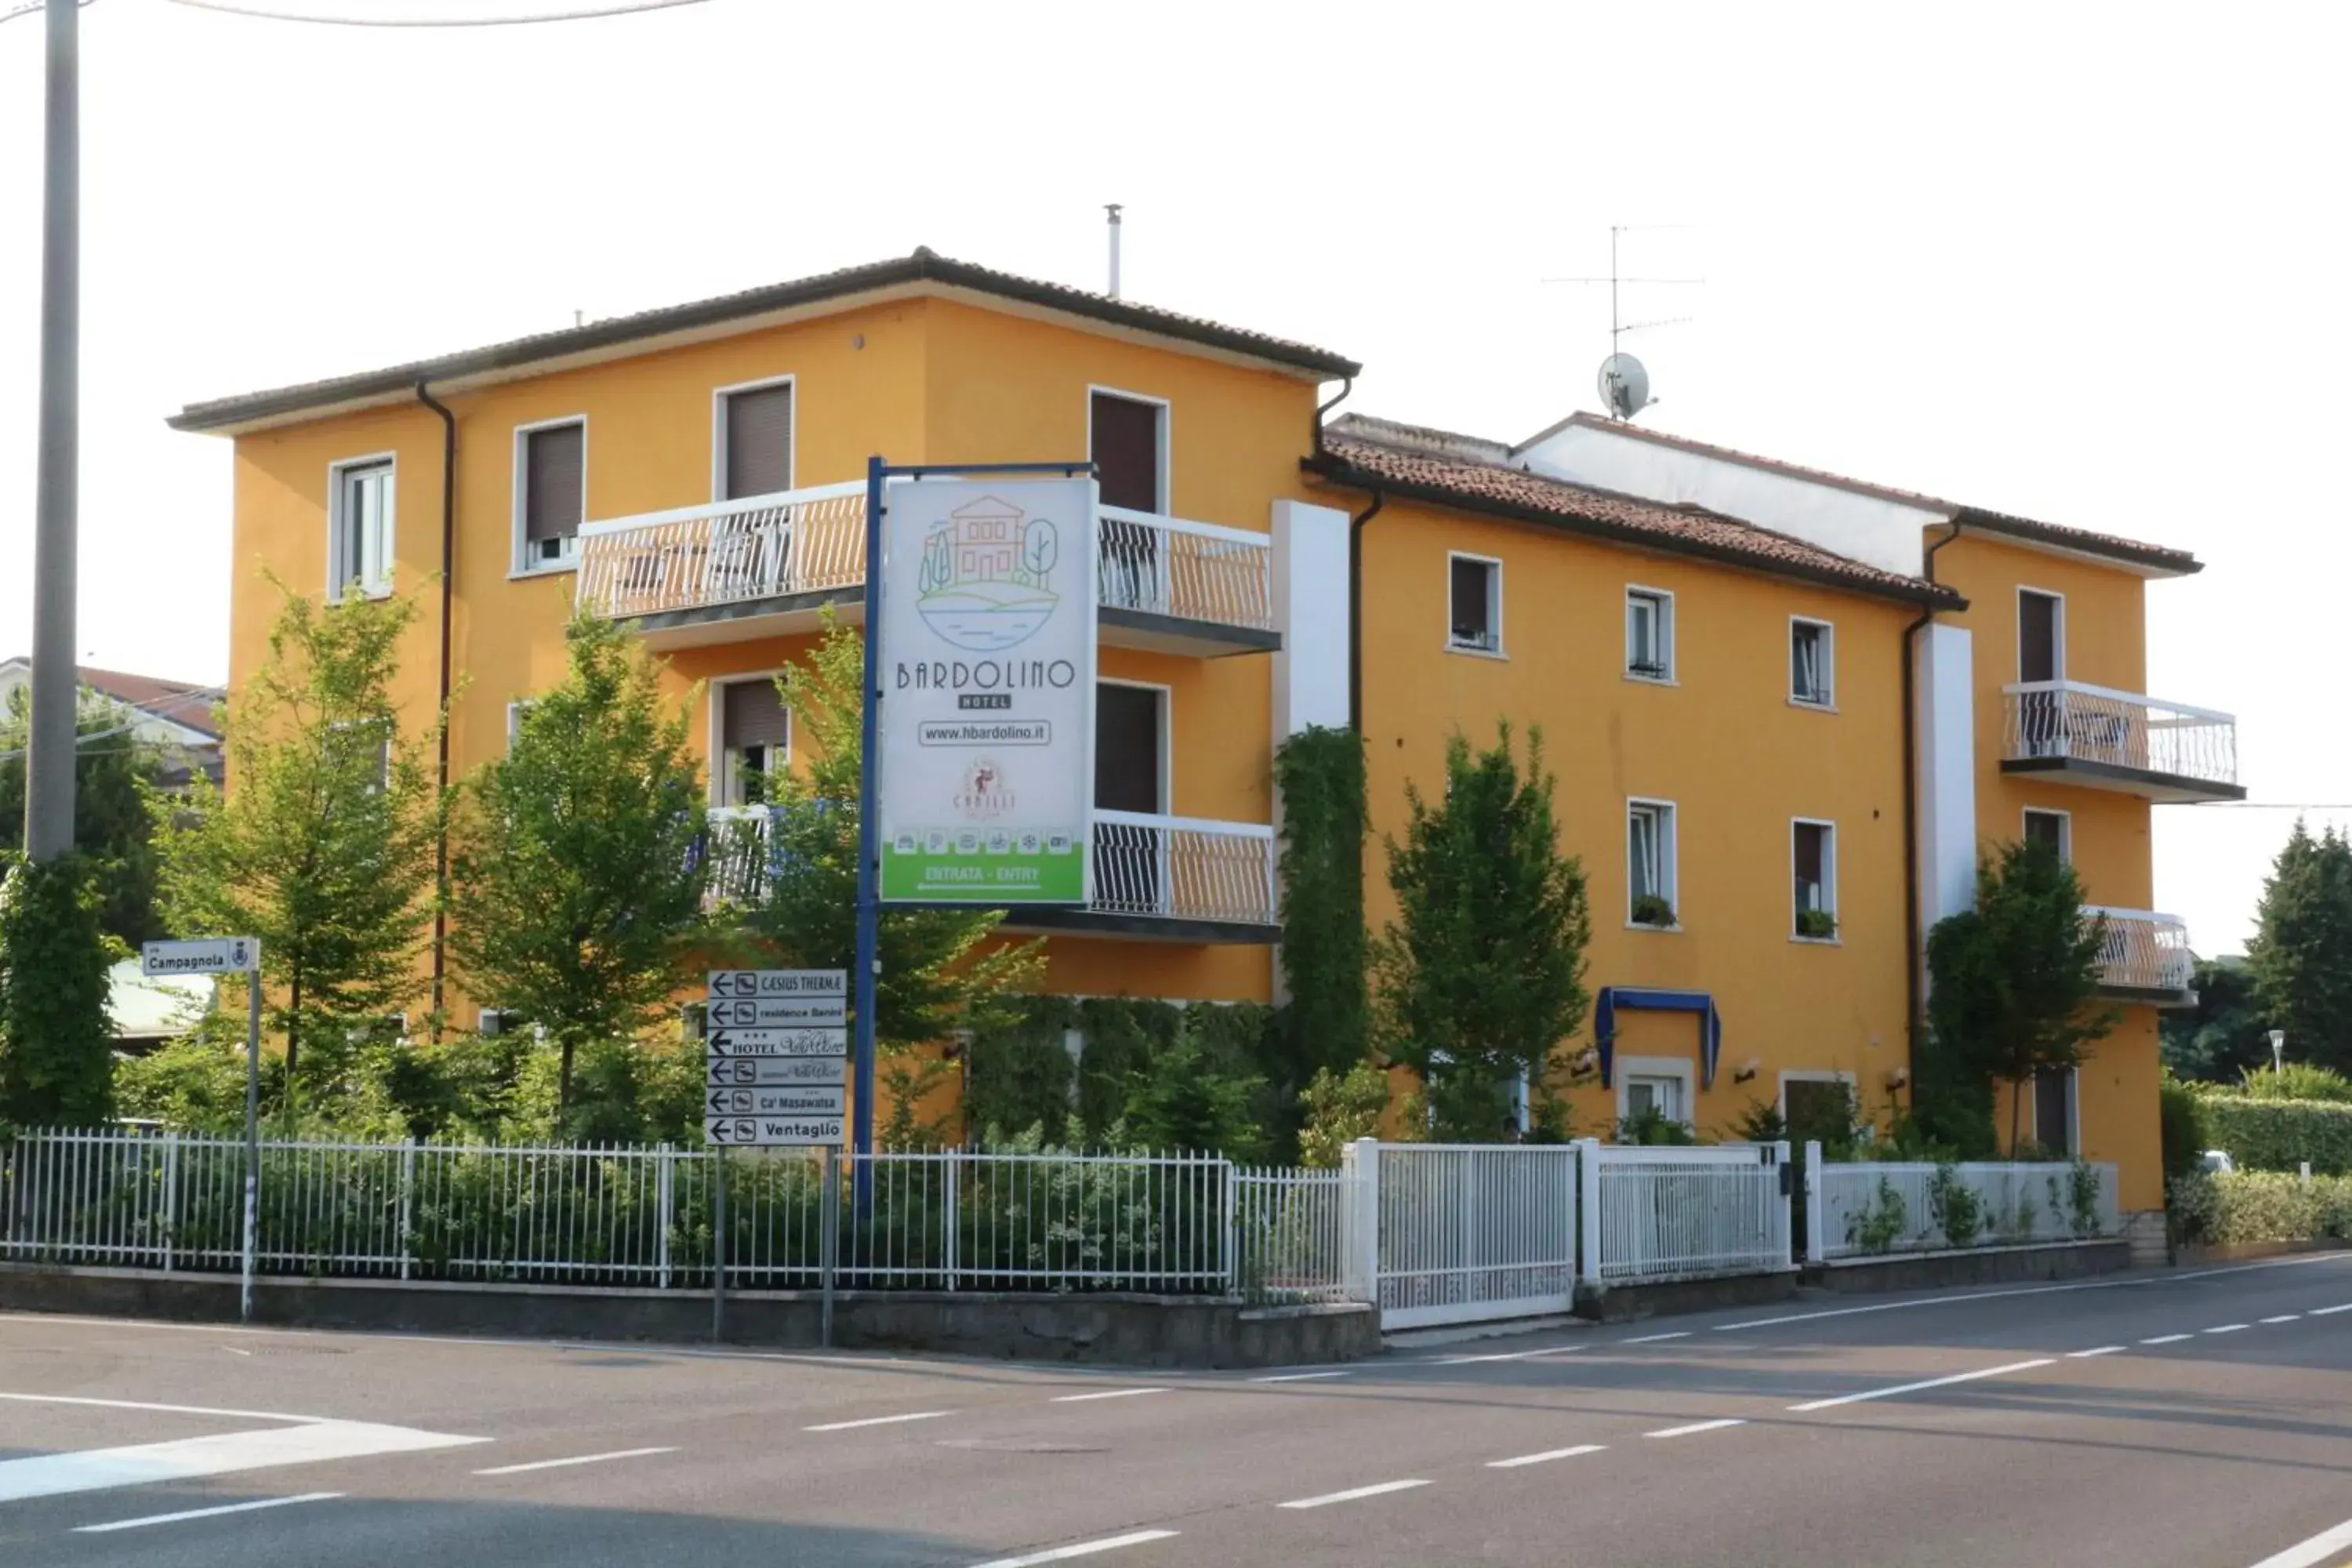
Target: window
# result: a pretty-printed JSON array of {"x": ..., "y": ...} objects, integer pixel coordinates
[
  {"x": 2055, "y": 829},
  {"x": 1474, "y": 589},
  {"x": 551, "y": 473},
  {"x": 755, "y": 441},
  {"x": 1650, "y": 860},
  {"x": 1812, "y": 665},
  {"x": 1813, "y": 849},
  {"x": 1645, "y": 1095},
  {"x": 1130, "y": 451},
  {"x": 1654, "y": 1086},
  {"x": 365, "y": 744},
  {"x": 1649, "y": 634},
  {"x": 2041, "y": 661},
  {"x": 754, "y": 741},
  {"x": 359, "y": 549},
  {"x": 2054, "y": 1110},
  {"x": 517, "y": 711}
]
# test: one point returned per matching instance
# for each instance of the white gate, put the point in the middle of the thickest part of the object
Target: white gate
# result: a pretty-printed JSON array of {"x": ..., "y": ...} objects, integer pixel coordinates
[
  {"x": 1681, "y": 1214},
  {"x": 1453, "y": 1233}
]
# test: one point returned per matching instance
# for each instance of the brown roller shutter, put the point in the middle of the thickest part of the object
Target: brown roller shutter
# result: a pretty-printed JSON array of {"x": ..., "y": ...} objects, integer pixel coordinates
[
  {"x": 555, "y": 481},
  {"x": 759, "y": 442},
  {"x": 754, "y": 715},
  {"x": 1127, "y": 452}
]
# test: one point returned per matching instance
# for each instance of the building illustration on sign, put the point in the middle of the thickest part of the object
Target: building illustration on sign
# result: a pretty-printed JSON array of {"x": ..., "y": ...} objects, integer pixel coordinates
[{"x": 986, "y": 577}]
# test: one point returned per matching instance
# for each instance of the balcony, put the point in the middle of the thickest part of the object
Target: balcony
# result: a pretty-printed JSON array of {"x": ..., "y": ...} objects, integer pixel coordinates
[
  {"x": 2145, "y": 957},
  {"x": 2102, "y": 739},
  {"x": 1169, "y": 879},
  {"x": 731, "y": 571}
]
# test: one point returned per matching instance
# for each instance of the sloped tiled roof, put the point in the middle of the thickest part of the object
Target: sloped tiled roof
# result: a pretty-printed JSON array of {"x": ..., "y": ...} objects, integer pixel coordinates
[
  {"x": 191, "y": 707},
  {"x": 1473, "y": 473},
  {"x": 2155, "y": 557},
  {"x": 924, "y": 265}
]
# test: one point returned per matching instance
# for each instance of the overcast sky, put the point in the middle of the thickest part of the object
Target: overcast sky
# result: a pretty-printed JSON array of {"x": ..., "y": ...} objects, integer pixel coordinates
[{"x": 2082, "y": 262}]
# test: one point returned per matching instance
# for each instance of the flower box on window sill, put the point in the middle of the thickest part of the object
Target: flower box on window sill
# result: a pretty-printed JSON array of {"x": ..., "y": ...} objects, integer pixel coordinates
[
  {"x": 1650, "y": 910},
  {"x": 1817, "y": 925}
]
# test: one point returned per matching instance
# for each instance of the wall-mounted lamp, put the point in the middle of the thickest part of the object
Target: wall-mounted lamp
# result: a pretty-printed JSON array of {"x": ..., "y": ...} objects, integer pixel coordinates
[{"x": 1898, "y": 1077}]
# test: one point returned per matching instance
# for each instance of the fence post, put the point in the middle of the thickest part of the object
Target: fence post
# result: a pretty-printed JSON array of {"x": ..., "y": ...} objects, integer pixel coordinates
[
  {"x": 666, "y": 1199},
  {"x": 407, "y": 1204},
  {"x": 1362, "y": 1162},
  {"x": 1232, "y": 1228},
  {"x": 1788, "y": 1195},
  {"x": 1814, "y": 1242},
  {"x": 948, "y": 1219},
  {"x": 719, "y": 1244},
  {"x": 170, "y": 1195},
  {"x": 828, "y": 1244},
  {"x": 1587, "y": 1209}
]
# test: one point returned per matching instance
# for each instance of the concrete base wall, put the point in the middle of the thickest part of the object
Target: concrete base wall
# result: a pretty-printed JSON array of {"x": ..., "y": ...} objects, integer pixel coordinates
[
  {"x": 1977, "y": 1266},
  {"x": 1623, "y": 1303},
  {"x": 1113, "y": 1330}
]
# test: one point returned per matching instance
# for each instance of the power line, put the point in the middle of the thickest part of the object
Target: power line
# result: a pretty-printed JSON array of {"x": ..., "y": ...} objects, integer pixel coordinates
[
  {"x": 29, "y": 7},
  {"x": 621, "y": 10}
]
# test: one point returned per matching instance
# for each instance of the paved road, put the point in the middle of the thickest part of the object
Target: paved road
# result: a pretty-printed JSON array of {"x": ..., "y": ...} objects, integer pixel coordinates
[{"x": 2199, "y": 1420}]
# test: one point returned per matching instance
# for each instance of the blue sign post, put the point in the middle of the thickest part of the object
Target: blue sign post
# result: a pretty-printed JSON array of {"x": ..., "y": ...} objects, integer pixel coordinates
[{"x": 878, "y": 472}]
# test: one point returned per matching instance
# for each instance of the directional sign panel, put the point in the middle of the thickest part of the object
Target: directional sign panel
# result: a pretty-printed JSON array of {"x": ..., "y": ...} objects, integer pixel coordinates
[
  {"x": 206, "y": 955},
  {"x": 777, "y": 1012},
  {"x": 780, "y": 983},
  {"x": 773, "y": 1072},
  {"x": 776, "y": 1043},
  {"x": 772, "y": 1132},
  {"x": 787, "y": 1101}
]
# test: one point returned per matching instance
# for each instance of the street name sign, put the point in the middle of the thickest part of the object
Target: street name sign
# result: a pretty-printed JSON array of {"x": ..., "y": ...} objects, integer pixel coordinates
[
  {"x": 777, "y": 1012},
  {"x": 792, "y": 1100},
  {"x": 776, "y": 1058},
  {"x": 772, "y": 1072},
  {"x": 204, "y": 955},
  {"x": 772, "y": 1132}
]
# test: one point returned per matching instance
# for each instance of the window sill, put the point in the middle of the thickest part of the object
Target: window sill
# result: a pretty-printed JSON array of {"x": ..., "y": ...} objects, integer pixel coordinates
[
  {"x": 1473, "y": 651},
  {"x": 1675, "y": 930},
  {"x": 552, "y": 569},
  {"x": 1818, "y": 941},
  {"x": 1652, "y": 679},
  {"x": 347, "y": 597},
  {"x": 1813, "y": 707}
]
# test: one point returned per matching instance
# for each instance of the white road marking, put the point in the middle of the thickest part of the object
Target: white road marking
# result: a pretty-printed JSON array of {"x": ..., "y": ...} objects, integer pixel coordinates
[
  {"x": 1655, "y": 1339},
  {"x": 1352, "y": 1494},
  {"x": 878, "y": 1421},
  {"x": 1296, "y": 1376},
  {"x": 1505, "y": 1355},
  {"x": 1106, "y": 1393},
  {"x": 1082, "y": 1549},
  {"x": 2103, "y": 1350},
  {"x": 162, "y": 1409},
  {"x": 2312, "y": 1553},
  {"x": 2331, "y": 1312},
  {"x": 2228, "y": 1329},
  {"x": 2283, "y": 1318},
  {"x": 96, "y": 1469},
  {"x": 577, "y": 1460},
  {"x": 1915, "y": 1387},
  {"x": 1697, "y": 1427},
  {"x": 2036, "y": 1291},
  {"x": 1546, "y": 1457},
  {"x": 2167, "y": 1339},
  {"x": 203, "y": 1514}
]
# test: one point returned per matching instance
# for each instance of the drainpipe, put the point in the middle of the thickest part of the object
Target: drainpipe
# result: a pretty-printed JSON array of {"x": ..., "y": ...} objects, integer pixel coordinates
[
  {"x": 1314, "y": 435},
  {"x": 448, "y": 590},
  {"x": 1916, "y": 954},
  {"x": 1356, "y": 612}
]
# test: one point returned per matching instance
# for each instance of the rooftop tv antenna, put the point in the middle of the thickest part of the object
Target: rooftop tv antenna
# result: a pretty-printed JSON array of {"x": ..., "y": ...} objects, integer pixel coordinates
[{"x": 1624, "y": 381}]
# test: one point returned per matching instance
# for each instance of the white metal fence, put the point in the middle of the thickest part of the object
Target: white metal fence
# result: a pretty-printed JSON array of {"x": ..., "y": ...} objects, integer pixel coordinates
[
  {"x": 1290, "y": 1234},
  {"x": 762, "y": 547},
  {"x": 1863, "y": 1208},
  {"x": 1192, "y": 571},
  {"x": 2142, "y": 950},
  {"x": 2117, "y": 729},
  {"x": 1183, "y": 867},
  {"x": 1450, "y": 1233},
  {"x": 1679, "y": 1214}
]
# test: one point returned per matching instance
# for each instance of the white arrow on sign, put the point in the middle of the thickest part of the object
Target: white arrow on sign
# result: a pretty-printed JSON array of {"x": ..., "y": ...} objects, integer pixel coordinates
[
  {"x": 772, "y": 1132},
  {"x": 779, "y": 982},
  {"x": 785, "y": 1101},
  {"x": 203, "y": 956},
  {"x": 776, "y": 1043},
  {"x": 777, "y": 1012},
  {"x": 774, "y": 1071}
]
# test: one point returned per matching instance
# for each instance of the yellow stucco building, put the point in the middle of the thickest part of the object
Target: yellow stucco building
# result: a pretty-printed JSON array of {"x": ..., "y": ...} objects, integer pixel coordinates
[{"x": 1784, "y": 709}]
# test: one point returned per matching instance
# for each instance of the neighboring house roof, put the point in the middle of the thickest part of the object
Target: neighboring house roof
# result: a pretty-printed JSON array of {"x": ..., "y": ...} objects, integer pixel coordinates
[
  {"x": 1476, "y": 473},
  {"x": 2136, "y": 553},
  {"x": 925, "y": 271},
  {"x": 180, "y": 704}
]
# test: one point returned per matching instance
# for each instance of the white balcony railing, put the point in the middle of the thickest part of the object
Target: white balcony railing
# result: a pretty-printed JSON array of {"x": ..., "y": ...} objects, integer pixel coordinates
[
  {"x": 2066, "y": 719},
  {"x": 808, "y": 541},
  {"x": 1182, "y": 868},
  {"x": 1171, "y": 868},
  {"x": 2142, "y": 950}
]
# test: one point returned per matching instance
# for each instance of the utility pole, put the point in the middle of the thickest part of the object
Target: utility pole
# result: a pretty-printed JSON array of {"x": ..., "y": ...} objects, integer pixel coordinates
[{"x": 49, "y": 749}]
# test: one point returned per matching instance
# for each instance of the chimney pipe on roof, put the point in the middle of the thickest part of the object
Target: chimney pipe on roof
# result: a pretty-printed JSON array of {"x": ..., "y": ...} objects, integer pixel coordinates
[{"x": 1112, "y": 208}]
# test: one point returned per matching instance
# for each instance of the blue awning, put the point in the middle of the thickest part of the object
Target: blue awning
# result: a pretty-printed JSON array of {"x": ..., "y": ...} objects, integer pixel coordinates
[{"x": 1711, "y": 1024}]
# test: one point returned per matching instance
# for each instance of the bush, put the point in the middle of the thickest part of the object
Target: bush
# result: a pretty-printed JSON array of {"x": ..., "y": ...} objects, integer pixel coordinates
[
  {"x": 1653, "y": 1127},
  {"x": 1959, "y": 1212},
  {"x": 2181, "y": 1113},
  {"x": 1339, "y": 1110},
  {"x": 2296, "y": 1080},
  {"x": 2278, "y": 1134},
  {"x": 2260, "y": 1206},
  {"x": 1874, "y": 1228}
]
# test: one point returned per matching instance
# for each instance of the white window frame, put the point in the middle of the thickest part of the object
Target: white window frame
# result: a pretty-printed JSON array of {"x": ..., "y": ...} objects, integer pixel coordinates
[
  {"x": 1669, "y": 857},
  {"x": 1827, "y": 702},
  {"x": 719, "y": 396},
  {"x": 1829, "y": 879},
  {"x": 1494, "y": 605},
  {"x": 2066, "y": 829},
  {"x": 1167, "y": 738},
  {"x": 1810, "y": 1075},
  {"x": 2032, "y": 1085},
  {"x": 1167, "y": 474},
  {"x": 339, "y": 579},
  {"x": 722, "y": 774},
  {"x": 515, "y": 711},
  {"x": 1666, "y": 636},
  {"x": 519, "y": 562},
  {"x": 1625, "y": 1069},
  {"x": 2057, "y": 631}
]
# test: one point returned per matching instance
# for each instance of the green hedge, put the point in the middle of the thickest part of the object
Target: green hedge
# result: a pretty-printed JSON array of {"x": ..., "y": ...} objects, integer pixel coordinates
[
  {"x": 2260, "y": 1206},
  {"x": 2278, "y": 1134}
]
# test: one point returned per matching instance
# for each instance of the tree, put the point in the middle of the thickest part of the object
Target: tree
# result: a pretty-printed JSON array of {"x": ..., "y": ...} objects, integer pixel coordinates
[
  {"x": 113, "y": 768},
  {"x": 1185, "y": 1099},
  {"x": 2222, "y": 1035},
  {"x": 942, "y": 971},
  {"x": 324, "y": 846},
  {"x": 56, "y": 1054},
  {"x": 1326, "y": 1026},
  {"x": 1339, "y": 1110},
  {"x": 1481, "y": 974},
  {"x": 576, "y": 880},
  {"x": 2302, "y": 950},
  {"x": 2013, "y": 983}
]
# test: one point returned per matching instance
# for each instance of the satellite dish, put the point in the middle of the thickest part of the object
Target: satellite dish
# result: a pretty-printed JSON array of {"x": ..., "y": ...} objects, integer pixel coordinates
[{"x": 1624, "y": 386}]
